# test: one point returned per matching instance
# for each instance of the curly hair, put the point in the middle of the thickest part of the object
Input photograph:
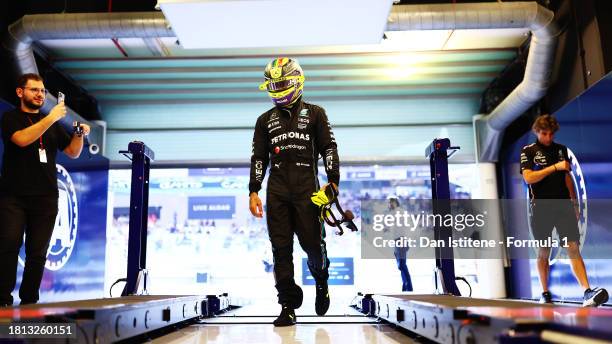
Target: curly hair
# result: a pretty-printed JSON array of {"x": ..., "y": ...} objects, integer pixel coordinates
[{"x": 546, "y": 122}]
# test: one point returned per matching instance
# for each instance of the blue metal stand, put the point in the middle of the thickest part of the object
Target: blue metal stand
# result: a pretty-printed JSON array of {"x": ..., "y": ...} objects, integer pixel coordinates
[
  {"x": 438, "y": 156},
  {"x": 141, "y": 157}
]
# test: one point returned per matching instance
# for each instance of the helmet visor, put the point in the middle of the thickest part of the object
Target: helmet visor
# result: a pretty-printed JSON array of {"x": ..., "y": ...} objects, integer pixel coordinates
[
  {"x": 286, "y": 97},
  {"x": 281, "y": 84}
]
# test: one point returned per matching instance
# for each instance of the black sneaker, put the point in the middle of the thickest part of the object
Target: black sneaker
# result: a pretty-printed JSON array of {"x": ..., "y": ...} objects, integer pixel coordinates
[
  {"x": 286, "y": 317},
  {"x": 595, "y": 297},
  {"x": 322, "y": 300},
  {"x": 546, "y": 297}
]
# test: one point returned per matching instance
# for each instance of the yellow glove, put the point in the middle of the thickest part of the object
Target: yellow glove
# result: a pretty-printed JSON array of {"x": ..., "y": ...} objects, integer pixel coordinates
[{"x": 319, "y": 198}]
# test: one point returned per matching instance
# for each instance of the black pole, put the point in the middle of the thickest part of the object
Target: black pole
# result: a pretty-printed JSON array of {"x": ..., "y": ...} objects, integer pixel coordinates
[
  {"x": 438, "y": 156},
  {"x": 141, "y": 157}
]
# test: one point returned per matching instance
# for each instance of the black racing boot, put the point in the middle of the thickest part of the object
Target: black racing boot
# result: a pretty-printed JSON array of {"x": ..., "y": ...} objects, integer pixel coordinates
[
  {"x": 286, "y": 317},
  {"x": 322, "y": 300}
]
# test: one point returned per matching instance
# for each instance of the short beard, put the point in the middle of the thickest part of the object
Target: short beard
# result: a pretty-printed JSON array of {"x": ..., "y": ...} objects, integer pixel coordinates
[{"x": 31, "y": 105}]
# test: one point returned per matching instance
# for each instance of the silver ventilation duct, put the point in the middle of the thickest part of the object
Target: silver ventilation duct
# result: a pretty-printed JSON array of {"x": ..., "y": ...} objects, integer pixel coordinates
[{"x": 37, "y": 27}]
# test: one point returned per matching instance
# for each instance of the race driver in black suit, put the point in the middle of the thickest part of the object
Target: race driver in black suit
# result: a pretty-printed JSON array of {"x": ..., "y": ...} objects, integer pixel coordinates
[{"x": 289, "y": 138}]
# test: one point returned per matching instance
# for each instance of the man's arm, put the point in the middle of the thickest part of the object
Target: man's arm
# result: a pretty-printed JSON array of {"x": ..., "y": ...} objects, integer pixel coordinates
[
  {"x": 27, "y": 136},
  {"x": 527, "y": 167},
  {"x": 73, "y": 150},
  {"x": 532, "y": 177},
  {"x": 259, "y": 158},
  {"x": 569, "y": 182},
  {"x": 259, "y": 164},
  {"x": 326, "y": 144},
  {"x": 570, "y": 187},
  {"x": 75, "y": 147}
]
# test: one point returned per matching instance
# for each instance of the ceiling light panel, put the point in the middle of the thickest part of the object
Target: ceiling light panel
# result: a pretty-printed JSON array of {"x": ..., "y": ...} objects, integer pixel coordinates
[{"x": 275, "y": 23}]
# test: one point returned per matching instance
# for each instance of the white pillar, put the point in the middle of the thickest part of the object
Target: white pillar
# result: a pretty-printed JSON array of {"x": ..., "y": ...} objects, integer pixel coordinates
[{"x": 490, "y": 272}]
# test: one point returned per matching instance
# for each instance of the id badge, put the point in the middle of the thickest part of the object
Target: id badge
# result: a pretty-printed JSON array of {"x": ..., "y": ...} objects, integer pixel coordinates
[{"x": 42, "y": 155}]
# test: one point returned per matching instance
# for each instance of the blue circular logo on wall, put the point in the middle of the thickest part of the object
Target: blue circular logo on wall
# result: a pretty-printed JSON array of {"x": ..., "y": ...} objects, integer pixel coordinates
[{"x": 581, "y": 195}]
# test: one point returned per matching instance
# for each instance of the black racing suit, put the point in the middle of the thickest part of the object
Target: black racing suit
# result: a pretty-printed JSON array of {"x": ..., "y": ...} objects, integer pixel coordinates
[{"x": 292, "y": 140}]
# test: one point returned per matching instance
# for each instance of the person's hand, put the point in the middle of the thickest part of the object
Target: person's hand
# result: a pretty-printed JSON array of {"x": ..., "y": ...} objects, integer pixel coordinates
[
  {"x": 333, "y": 185},
  {"x": 58, "y": 112},
  {"x": 86, "y": 129},
  {"x": 562, "y": 166},
  {"x": 255, "y": 205}
]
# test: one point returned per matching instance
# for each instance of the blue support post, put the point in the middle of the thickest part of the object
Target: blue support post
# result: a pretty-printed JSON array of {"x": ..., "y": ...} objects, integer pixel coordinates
[
  {"x": 141, "y": 157},
  {"x": 438, "y": 156}
]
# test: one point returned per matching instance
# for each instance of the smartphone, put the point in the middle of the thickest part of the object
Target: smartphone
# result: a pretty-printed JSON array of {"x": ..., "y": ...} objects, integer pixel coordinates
[{"x": 60, "y": 97}]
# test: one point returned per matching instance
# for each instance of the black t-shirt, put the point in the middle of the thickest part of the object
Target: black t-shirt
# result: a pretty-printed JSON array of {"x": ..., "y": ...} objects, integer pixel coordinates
[
  {"x": 537, "y": 156},
  {"x": 22, "y": 172}
]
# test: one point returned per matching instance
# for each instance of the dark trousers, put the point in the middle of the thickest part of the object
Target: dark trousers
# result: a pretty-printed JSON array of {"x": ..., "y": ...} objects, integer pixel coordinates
[
  {"x": 286, "y": 216},
  {"x": 33, "y": 216},
  {"x": 400, "y": 258}
]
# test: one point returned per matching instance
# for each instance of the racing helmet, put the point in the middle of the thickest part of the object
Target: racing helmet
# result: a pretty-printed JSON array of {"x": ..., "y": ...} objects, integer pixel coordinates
[{"x": 284, "y": 81}]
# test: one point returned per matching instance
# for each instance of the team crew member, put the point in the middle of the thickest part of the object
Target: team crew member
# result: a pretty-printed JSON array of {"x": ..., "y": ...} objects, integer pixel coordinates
[
  {"x": 291, "y": 136},
  {"x": 400, "y": 253},
  {"x": 545, "y": 168},
  {"x": 28, "y": 187}
]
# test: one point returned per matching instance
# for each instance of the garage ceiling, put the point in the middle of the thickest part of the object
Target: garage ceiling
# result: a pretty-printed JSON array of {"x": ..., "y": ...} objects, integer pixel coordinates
[
  {"x": 447, "y": 63},
  {"x": 408, "y": 71}
]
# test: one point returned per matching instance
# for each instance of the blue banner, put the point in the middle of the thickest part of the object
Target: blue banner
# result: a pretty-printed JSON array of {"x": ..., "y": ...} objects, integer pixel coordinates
[
  {"x": 212, "y": 207},
  {"x": 360, "y": 175},
  {"x": 341, "y": 271}
]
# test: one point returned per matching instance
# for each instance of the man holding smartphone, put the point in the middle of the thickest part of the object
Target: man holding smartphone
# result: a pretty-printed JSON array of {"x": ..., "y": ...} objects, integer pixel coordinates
[
  {"x": 545, "y": 167},
  {"x": 28, "y": 187}
]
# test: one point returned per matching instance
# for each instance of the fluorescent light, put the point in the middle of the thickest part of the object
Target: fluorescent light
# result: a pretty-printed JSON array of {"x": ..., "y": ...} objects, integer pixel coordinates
[
  {"x": 405, "y": 65},
  {"x": 276, "y": 23},
  {"x": 400, "y": 73}
]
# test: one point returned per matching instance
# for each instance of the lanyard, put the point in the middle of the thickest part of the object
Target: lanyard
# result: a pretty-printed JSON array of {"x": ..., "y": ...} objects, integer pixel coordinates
[{"x": 40, "y": 142}]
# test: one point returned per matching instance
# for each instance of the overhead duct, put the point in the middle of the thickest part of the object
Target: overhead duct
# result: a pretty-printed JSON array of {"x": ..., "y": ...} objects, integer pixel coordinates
[
  {"x": 31, "y": 28},
  {"x": 494, "y": 15}
]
